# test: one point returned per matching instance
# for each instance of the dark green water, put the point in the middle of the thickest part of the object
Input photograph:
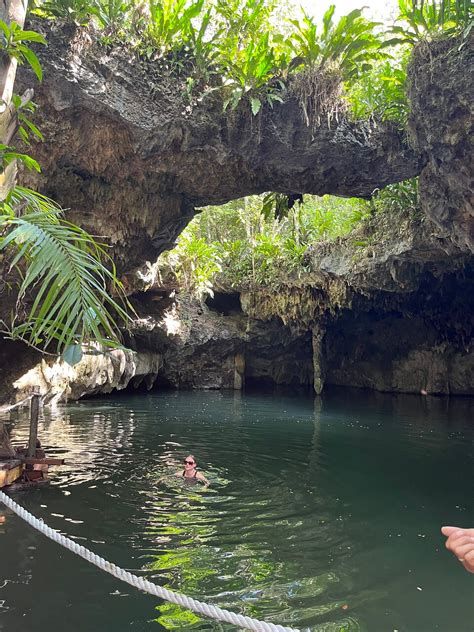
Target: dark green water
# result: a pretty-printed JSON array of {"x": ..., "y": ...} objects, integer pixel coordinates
[{"x": 321, "y": 515}]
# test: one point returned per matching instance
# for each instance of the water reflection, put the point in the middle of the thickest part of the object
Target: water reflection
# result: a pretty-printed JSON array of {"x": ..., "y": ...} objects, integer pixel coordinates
[
  {"x": 248, "y": 540},
  {"x": 321, "y": 514},
  {"x": 90, "y": 449}
]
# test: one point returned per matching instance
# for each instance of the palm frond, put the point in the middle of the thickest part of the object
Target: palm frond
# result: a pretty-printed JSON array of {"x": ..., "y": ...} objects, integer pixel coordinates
[{"x": 64, "y": 270}]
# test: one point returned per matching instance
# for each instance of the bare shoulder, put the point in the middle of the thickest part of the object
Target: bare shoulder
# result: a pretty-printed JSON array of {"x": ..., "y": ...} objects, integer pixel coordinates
[{"x": 201, "y": 477}]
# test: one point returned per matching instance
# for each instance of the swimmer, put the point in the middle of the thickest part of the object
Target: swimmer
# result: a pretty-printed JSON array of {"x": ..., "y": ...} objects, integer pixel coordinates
[{"x": 190, "y": 472}]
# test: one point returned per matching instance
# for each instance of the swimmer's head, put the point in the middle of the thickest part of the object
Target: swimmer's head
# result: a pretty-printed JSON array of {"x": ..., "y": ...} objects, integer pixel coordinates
[{"x": 190, "y": 462}]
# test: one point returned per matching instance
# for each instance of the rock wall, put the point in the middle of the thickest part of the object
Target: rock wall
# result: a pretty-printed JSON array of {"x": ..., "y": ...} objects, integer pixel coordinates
[
  {"x": 387, "y": 308},
  {"x": 416, "y": 342},
  {"x": 442, "y": 129},
  {"x": 94, "y": 374},
  {"x": 397, "y": 354},
  {"x": 132, "y": 157},
  {"x": 186, "y": 345}
]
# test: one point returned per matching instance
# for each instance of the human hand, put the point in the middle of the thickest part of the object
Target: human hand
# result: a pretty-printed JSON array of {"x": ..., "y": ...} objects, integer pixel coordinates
[{"x": 461, "y": 543}]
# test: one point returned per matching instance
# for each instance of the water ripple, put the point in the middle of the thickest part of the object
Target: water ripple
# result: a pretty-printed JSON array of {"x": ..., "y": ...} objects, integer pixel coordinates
[{"x": 298, "y": 527}]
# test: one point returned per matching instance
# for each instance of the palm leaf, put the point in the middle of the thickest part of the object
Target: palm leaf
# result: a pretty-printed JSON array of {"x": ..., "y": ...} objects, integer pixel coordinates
[{"x": 64, "y": 268}]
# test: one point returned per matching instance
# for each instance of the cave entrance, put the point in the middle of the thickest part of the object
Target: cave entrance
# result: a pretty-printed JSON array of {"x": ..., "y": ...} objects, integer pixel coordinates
[
  {"x": 284, "y": 362},
  {"x": 225, "y": 303}
]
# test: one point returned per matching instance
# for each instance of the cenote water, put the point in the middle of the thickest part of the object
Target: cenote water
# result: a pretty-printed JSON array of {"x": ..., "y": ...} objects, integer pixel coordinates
[{"x": 321, "y": 515}]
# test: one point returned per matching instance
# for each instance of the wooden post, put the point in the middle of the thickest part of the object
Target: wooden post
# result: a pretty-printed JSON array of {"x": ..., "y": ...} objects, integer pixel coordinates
[{"x": 34, "y": 413}]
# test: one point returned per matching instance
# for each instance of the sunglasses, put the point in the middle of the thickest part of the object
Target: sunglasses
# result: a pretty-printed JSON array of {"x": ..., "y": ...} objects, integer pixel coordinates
[{"x": 189, "y": 462}]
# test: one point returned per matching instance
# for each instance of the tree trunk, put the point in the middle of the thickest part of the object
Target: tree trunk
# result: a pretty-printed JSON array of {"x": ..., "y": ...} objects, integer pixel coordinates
[{"x": 10, "y": 11}]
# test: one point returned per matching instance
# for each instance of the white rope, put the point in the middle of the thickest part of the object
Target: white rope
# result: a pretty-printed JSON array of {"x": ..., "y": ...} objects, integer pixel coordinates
[
  {"x": 214, "y": 612},
  {"x": 7, "y": 409}
]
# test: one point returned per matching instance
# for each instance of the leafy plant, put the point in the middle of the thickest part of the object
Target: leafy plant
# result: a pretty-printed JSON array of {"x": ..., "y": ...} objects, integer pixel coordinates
[
  {"x": 194, "y": 264},
  {"x": 27, "y": 127},
  {"x": 202, "y": 42},
  {"x": 327, "y": 57},
  {"x": 12, "y": 43},
  {"x": 424, "y": 18},
  {"x": 243, "y": 21},
  {"x": 57, "y": 263},
  {"x": 9, "y": 154},
  {"x": 351, "y": 45},
  {"x": 252, "y": 50},
  {"x": 76, "y": 11},
  {"x": 400, "y": 196},
  {"x": 255, "y": 65},
  {"x": 251, "y": 56},
  {"x": 245, "y": 243},
  {"x": 111, "y": 15},
  {"x": 64, "y": 266},
  {"x": 380, "y": 93},
  {"x": 170, "y": 23}
]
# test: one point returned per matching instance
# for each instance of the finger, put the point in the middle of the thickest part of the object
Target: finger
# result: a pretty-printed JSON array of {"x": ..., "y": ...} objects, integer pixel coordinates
[
  {"x": 461, "y": 552},
  {"x": 459, "y": 539},
  {"x": 469, "y": 562},
  {"x": 456, "y": 541},
  {"x": 447, "y": 531}
]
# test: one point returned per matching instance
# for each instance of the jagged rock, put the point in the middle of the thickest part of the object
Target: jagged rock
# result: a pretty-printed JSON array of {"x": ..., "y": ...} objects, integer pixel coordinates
[
  {"x": 184, "y": 345},
  {"x": 442, "y": 128},
  {"x": 397, "y": 352},
  {"x": 390, "y": 307},
  {"x": 132, "y": 157},
  {"x": 208, "y": 349},
  {"x": 392, "y": 314},
  {"x": 94, "y": 374}
]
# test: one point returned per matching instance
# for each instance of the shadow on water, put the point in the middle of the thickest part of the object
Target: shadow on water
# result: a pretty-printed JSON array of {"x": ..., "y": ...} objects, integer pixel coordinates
[{"x": 322, "y": 513}]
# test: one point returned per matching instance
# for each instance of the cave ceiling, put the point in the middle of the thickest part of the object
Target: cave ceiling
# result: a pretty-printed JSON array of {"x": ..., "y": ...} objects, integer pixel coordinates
[{"x": 132, "y": 158}]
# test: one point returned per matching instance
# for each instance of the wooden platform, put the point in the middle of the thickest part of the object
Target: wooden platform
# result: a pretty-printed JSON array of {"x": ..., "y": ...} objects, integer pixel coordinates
[{"x": 10, "y": 471}]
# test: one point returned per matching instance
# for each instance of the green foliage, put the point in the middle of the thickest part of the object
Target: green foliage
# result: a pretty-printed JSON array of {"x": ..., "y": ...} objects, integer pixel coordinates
[
  {"x": 59, "y": 264},
  {"x": 424, "y": 18},
  {"x": 77, "y": 11},
  {"x": 9, "y": 154},
  {"x": 401, "y": 196},
  {"x": 252, "y": 50},
  {"x": 110, "y": 14},
  {"x": 380, "y": 93},
  {"x": 304, "y": 40},
  {"x": 351, "y": 45},
  {"x": 246, "y": 46},
  {"x": 170, "y": 23},
  {"x": 251, "y": 54},
  {"x": 27, "y": 127},
  {"x": 63, "y": 266},
  {"x": 243, "y": 21},
  {"x": 331, "y": 217},
  {"x": 252, "y": 70},
  {"x": 201, "y": 41},
  {"x": 12, "y": 42},
  {"x": 255, "y": 242},
  {"x": 196, "y": 264},
  {"x": 259, "y": 242}
]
